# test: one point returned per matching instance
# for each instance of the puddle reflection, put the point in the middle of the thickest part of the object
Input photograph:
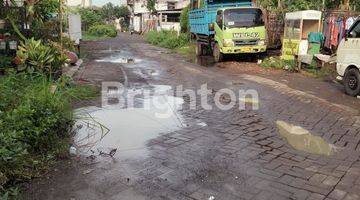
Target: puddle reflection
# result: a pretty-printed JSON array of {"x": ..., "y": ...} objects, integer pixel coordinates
[
  {"x": 302, "y": 140},
  {"x": 128, "y": 129}
]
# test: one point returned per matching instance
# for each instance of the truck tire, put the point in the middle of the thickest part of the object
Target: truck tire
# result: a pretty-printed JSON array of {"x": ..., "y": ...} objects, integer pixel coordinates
[
  {"x": 352, "y": 82},
  {"x": 199, "y": 49},
  {"x": 218, "y": 56}
]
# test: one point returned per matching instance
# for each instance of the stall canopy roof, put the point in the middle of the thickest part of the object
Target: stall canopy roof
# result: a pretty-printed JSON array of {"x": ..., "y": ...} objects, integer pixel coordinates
[{"x": 306, "y": 14}]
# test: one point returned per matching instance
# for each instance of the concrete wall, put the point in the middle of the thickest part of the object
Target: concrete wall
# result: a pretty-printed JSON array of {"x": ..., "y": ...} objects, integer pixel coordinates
[
  {"x": 83, "y": 3},
  {"x": 170, "y": 26}
]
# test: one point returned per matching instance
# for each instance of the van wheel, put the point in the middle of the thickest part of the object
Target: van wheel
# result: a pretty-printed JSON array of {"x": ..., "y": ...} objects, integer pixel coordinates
[
  {"x": 352, "y": 82},
  {"x": 218, "y": 56},
  {"x": 199, "y": 49}
]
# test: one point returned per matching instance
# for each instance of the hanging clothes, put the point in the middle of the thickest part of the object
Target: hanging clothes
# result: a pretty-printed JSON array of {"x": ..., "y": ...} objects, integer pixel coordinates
[
  {"x": 334, "y": 32},
  {"x": 316, "y": 37},
  {"x": 341, "y": 28},
  {"x": 327, "y": 33}
]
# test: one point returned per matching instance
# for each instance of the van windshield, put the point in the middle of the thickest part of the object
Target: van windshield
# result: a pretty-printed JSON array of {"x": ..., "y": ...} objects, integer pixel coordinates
[{"x": 238, "y": 18}]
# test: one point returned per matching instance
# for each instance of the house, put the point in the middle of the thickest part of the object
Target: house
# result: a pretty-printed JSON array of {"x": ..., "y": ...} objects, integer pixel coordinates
[
  {"x": 167, "y": 15},
  {"x": 81, "y": 3}
]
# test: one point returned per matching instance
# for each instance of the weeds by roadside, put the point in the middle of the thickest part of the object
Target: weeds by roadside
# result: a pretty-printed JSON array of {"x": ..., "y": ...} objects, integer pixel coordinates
[
  {"x": 188, "y": 50},
  {"x": 35, "y": 125},
  {"x": 167, "y": 39},
  {"x": 100, "y": 31},
  {"x": 278, "y": 63}
]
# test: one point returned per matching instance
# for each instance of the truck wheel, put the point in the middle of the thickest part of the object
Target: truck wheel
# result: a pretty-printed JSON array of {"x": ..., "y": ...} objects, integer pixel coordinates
[
  {"x": 218, "y": 56},
  {"x": 199, "y": 50},
  {"x": 352, "y": 82}
]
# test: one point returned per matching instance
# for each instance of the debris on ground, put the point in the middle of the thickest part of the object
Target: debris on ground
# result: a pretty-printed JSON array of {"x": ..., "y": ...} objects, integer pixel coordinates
[
  {"x": 88, "y": 171},
  {"x": 73, "y": 151},
  {"x": 211, "y": 198},
  {"x": 107, "y": 151}
]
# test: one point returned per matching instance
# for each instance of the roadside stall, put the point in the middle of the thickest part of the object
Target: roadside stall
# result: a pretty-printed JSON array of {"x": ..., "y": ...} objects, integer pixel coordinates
[{"x": 298, "y": 26}]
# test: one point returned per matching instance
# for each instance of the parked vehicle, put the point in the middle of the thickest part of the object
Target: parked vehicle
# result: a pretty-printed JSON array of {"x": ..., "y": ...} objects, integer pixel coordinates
[
  {"x": 348, "y": 60},
  {"x": 227, "y": 27}
]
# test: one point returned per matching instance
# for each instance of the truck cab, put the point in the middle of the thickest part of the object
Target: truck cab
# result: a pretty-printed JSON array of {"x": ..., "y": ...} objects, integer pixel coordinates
[
  {"x": 239, "y": 30},
  {"x": 348, "y": 60},
  {"x": 228, "y": 27}
]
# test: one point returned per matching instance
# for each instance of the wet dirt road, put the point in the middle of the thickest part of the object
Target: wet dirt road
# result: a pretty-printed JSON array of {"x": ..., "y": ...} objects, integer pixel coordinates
[{"x": 302, "y": 142}]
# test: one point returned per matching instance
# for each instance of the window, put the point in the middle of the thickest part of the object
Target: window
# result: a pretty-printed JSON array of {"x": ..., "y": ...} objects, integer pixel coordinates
[
  {"x": 244, "y": 17},
  {"x": 164, "y": 18},
  {"x": 355, "y": 31}
]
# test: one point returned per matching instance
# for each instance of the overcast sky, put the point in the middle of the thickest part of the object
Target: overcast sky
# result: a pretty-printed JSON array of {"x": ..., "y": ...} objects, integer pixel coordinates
[{"x": 103, "y": 2}]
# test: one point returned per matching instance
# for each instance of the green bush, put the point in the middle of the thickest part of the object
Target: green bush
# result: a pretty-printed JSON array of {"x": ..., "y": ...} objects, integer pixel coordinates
[
  {"x": 35, "y": 123},
  {"x": 184, "y": 20},
  {"x": 103, "y": 30},
  {"x": 89, "y": 18},
  {"x": 167, "y": 39},
  {"x": 5, "y": 62},
  {"x": 34, "y": 56}
]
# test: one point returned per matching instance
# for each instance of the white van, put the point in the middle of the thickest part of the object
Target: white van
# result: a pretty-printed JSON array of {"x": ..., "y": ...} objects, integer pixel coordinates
[{"x": 348, "y": 60}]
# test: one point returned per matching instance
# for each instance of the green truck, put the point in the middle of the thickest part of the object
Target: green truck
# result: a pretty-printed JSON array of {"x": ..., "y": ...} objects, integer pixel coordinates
[{"x": 227, "y": 27}]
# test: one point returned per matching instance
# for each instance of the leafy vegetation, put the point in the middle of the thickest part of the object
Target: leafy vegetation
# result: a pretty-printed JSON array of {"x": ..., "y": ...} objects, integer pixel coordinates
[
  {"x": 103, "y": 31},
  {"x": 5, "y": 62},
  {"x": 105, "y": 15},
  {"x": 35, "y": 122},
  {"x": 89, "y": 18},
  {"x": 167, "y": 39},
  {"x": 110, "y": 12},
  {"x": 283, "y": 5},
  {"x": 184, "y": 20},
  {"x": 33, "y": 56},
  {"x": 278, "y": 63},
  {"x": 150, "y": 6},
  {"x": 36, "y": 116}
]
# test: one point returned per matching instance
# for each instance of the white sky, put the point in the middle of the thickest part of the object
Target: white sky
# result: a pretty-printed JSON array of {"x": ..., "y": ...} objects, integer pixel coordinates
[{"x": 103, "y": 2}]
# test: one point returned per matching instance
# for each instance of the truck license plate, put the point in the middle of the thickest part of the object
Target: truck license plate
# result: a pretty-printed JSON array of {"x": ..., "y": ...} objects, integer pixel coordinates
[
  {"x": 247, "y": 49},
  {"x": 246, "y": 35}
]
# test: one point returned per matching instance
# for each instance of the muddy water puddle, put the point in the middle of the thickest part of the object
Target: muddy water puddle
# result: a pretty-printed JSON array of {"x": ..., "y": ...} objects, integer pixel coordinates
[
  {"x": 120, "y": 57},
  {"x": 302, "y": 140},
  {"x": 127, "y": 131}
]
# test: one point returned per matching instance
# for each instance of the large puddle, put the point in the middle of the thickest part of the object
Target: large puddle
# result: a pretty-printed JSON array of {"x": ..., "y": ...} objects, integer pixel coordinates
[
  {"x": 128, "y": 130},
  {"x": 302, "y": 140},
  {"x": 121, "y": 58}
]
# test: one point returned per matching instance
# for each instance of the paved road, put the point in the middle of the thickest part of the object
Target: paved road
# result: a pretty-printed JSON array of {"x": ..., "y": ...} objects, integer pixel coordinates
[{"x": 234, "y": 154}]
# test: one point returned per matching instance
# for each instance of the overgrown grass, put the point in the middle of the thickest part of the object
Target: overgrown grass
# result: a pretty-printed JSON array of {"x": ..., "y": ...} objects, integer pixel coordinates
[
  {"x": 36, "y": 119},
  {"x": 327, "y": 72},
  {"x": 167, "y": 39},
  {"x": 278, "y": 63},
  {"x": 100, "y": 31},
  {"x": 187, "y": 51},
  {"x": 88, "y": 37}
]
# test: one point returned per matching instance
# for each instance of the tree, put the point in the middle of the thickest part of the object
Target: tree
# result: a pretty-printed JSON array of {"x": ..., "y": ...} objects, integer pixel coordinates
[
  {"x": 89, "y": 17},
  {"x": 124, "y": 13},
  {"x": 108, "y": 11},
  {"x": 184, "y": 19},
  {"x": 150, "y": 5},
  {"x": 294, "y": 5}
]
